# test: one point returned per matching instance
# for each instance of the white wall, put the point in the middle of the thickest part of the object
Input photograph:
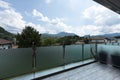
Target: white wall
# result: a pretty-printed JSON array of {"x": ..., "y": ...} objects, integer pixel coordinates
[
  {"x": 7, "y": 46},
  {"x": 101, "y": 41}
]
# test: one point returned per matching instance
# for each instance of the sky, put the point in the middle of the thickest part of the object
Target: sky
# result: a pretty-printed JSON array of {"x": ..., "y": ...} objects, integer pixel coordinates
[{"x": 82, "y": 17}]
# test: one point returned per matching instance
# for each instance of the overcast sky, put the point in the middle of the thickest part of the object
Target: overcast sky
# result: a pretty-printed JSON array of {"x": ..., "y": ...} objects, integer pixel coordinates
[{"x": 82, "y": 17}]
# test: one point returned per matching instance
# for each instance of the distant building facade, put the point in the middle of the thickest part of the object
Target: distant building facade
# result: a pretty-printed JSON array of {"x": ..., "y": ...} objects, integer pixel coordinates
[
  {"x": 118, "y": 38},
  {"x": 5, "y": 44},
  {"x": 111, "y": 39},
  {"x": 79, "y": 42},
  {"x": 98, "y": 40}
]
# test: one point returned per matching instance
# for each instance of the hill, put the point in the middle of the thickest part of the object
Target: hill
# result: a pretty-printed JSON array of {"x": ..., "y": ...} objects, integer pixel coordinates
[
  {"x": 59, "y": 35},
  {"x": 62, "y": 34},
  {"x": 5, "y": 34},
  {"x": 112, "y": 35}
]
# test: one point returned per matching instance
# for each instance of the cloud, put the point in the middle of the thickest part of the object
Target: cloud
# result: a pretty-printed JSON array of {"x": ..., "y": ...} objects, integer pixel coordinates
[
  {"x": 12, "y": 20},
  {"x": 100, "y": 25},
  {"x": 9, "y": 18},
  {"x": 4, "y": 4},
  {"x": 40, "y": 15},
  {"x": 74, "y": 4},
  {"x": 43, "y": 18},
  {"x": 104, "y": 21},
  {"x": 38, "y": 27},
  {"x": 56, "y": 24},
  {"x": 27, "y": 13},
  {"x": 97, "y": 30},
  {"x": 48, "y": 1},
  {"x": 101, "y": 15}
]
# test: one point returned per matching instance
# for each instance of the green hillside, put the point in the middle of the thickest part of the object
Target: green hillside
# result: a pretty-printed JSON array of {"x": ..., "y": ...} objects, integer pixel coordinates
[{"x": 5, "y": 34}]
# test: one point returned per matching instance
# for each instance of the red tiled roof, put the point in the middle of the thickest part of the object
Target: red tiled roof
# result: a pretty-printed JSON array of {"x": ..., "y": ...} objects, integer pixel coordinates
[{"x": 3, "y": 41}]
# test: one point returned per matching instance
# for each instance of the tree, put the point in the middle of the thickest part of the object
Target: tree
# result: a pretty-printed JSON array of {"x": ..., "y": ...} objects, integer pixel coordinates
[
  {"x": 49, "y": 42},
  {"x": 27, "y": 36},
  {"x": 87, "y": 41},
  {"x": 65, "y": 40}
]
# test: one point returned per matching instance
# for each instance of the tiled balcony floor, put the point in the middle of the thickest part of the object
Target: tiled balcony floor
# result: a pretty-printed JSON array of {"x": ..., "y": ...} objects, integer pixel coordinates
[{"x": 94, "y": 71}]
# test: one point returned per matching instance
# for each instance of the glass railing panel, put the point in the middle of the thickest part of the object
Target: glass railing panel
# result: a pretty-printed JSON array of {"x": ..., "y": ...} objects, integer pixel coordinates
[
  {"x": 87, "y": 52},
  {"x": 49, "y": 57},
  {"x": 14, "y": 62},
  {"x": 73, "y": 53}
]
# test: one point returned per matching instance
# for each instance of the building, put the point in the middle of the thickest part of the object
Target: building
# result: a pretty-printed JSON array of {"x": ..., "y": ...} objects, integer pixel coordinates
[
  {"x": 118, "y": 38},
  {"x": 79, "y": 42},
  {"x": 111, "y": 39},
  {"x": 98, "y": 40},
  {"x": 5, "y": 44}
]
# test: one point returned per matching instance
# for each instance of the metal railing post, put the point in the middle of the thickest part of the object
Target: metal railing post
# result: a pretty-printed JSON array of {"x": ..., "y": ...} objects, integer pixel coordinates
[
  {"x": 112, "y": 43},
  {"x": 118, "y": 43},
  {"x": 34, "y": 58},
  {"x": 105, "y": 43},
  {"x": 64, "y": 54},
  {"x": 82, "y": 52},
  {"x": 96, "y": 51}
]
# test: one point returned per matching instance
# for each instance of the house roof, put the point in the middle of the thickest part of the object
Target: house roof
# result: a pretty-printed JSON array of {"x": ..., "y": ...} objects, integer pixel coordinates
[
  {"x": 111, "y": 4},
  {"x": 110, "y": 38},
  {"x": 117, "y": 36},
  {"x": 97, "y": 38},
  {"x": 3, "y": 41}
]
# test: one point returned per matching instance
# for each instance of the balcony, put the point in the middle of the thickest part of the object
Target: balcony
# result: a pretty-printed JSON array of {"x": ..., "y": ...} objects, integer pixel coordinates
[
  {"x": 94, "y": 71},
  {"x": 60, "y": 63}
]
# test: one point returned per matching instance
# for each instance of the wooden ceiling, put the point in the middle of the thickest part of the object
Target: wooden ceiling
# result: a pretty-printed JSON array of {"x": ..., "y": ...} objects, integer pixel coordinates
[{"x": 111, "y": 4}]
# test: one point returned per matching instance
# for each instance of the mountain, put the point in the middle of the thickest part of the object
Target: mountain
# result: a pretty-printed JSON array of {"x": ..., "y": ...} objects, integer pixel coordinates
[
  {"x": 5, "y": 34},
  {"x": 112, "y": 35},
  {"x": 61, "y": 34}
]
